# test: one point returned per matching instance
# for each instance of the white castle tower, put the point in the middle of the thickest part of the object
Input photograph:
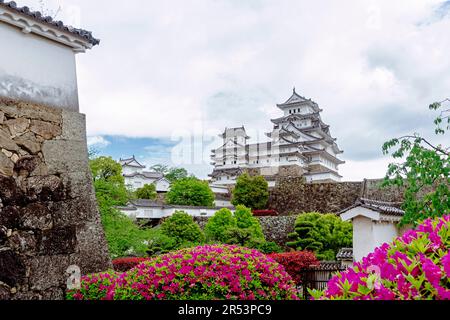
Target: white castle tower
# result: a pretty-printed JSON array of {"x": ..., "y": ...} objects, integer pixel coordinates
[{"x": 300, "y": 145}]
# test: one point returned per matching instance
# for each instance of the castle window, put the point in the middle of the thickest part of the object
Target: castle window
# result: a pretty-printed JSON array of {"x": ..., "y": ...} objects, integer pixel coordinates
[{"x": 290, "y": 111}]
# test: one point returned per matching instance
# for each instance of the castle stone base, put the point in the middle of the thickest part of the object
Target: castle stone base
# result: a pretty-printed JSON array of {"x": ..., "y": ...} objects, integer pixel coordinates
[{"x": 48, "y": 213}]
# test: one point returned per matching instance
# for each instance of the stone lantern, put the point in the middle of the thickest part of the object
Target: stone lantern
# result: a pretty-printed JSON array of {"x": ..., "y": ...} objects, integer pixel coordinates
[{"x": 49, "y": 221}]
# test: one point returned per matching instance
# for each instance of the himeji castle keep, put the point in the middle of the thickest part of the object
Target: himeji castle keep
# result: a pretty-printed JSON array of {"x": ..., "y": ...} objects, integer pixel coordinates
[{"x": 300, "y": 145}]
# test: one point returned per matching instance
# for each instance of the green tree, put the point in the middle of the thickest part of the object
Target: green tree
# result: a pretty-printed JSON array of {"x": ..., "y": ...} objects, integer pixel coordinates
[
  {"x": 148, "y": 192},
  {"x": 182, "y": 227},
  {"x": 248, "y": 231},
  {"x": 159, "y": 243},
  {"x": 191, "y": 192},
  {"x": 218, "y": 226},
  {"x": 111, "y": 194},
  {"x": 246, "y": 220},
  {"x": 268, "y": 247},
  {"x": 175, "y": 174},
  {"x": 124, "y": 237},
  {"x": 426, "y": 167},
  {"x": 105, "y": 168},
  {"x": 323, "y": 234},
  {"x": 109, "y": 183},
  {"x": 252, "y": 192}
]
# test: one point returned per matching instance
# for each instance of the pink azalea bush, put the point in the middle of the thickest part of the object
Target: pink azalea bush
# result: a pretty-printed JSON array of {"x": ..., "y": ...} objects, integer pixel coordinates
[
  {"x": 95, "y": 286},
  {"x": 415, "y": 266},
  {"x": 208, "y": 272}
]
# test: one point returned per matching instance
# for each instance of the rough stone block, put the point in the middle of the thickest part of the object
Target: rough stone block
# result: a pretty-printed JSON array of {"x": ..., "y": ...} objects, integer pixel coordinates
[
  {"x": 6, "y": 142},
  {"x": 3, "y": 235},
  {"x": 45, "y": 188},
  {"x": 29, "y": 142},
  {"x": 37, "y": 216},
  {"x": 58, "y": 241},
  {"x": 73, "y": 126},
  {"x": 10, "y": 217},
  {"x": 12, "y": 268},
  {"x": 47, "y": 130},
  {"x": 26, "y": 164},
  {"x": 53, "y": 294},
  {"x": 6, "y": 165},
  {"x": 5, "y": 292},
  {"x": 71, "y": 212},
  {"x": 18, "y": 109},
  {"x": 78, "y": 184},
  {"x": 24, "y": 242},
  {"x": 92, "y": 249},
  {"x": 63, "y": 156},
  {"x": 17, "y": 126},
  {"x": 2, "y": 117},
  {"x": 48, "y": 272},
  {"x": 9, "y": 191}
]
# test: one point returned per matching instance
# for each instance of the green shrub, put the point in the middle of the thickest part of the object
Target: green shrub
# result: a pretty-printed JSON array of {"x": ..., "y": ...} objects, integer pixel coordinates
[
  {"x": 323, "y": 234},
  {"x": 252, "y": 192},
  {"x": 148, "y": 192},
  {"x": 218, "y": 226},
  {"x": 159, "y": 243},
  {"x": 268, "y": 247},
  {"x": 95, "y": 286},
  {"x": 191, "y": 192},
  {"x": 246, "y": 220},
  {"x": 124, "y": 237},
  {"x": 182, "y": 228}
]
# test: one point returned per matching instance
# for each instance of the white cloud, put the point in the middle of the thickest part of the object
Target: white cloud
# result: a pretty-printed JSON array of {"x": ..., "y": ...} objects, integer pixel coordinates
[
  {"x": 373, "y": 66},
  {"x": 97, "y": 141}
]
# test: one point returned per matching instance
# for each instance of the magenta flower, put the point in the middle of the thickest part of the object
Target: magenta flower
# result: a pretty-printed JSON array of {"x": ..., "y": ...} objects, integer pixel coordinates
[{"x": 419, "y": 254}]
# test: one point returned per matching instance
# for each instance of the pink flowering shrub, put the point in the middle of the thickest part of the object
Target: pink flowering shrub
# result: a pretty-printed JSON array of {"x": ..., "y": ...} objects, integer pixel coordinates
[
  {"x": 208, "y": 272},
  {"x": 95, "y": 286},
  {"x": 415, "y": 266}
]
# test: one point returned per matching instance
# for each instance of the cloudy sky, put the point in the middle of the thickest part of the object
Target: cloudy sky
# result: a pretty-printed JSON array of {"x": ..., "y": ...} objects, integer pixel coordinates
[{"x": 168, "y": 76}]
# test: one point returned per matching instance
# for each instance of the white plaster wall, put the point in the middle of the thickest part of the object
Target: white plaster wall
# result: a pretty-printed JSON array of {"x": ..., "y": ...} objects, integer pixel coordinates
[
  {"x": 322, "y": 176},
  {"x": 363, "y": 238},
  {"x": 131, "y": 170},
  {"x": 138, "y": 182},
  {"x": 223, "y": 203},
  {"x": 35, "y": 69},
  {"x": 158, "y": 213},
  {"x": 384, "y": 232},
  {"x": 162, "y": 186},
  {"x": 218, "y": 189}
]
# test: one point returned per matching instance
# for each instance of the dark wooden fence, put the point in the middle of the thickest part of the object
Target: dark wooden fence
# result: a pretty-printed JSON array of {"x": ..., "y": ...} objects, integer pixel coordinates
[{"x": 318, "y": 277}]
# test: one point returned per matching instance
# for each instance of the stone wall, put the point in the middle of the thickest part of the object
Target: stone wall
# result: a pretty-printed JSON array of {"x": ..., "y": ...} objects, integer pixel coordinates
[
  {"x": 276, "y": 229},
  {"x": 48, "y": 213},
  {"x": 293, "y": 195}
]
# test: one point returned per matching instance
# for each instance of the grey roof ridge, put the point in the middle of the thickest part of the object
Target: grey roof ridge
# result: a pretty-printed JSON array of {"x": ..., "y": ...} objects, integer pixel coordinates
[{"x": 38, "y": 16}]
